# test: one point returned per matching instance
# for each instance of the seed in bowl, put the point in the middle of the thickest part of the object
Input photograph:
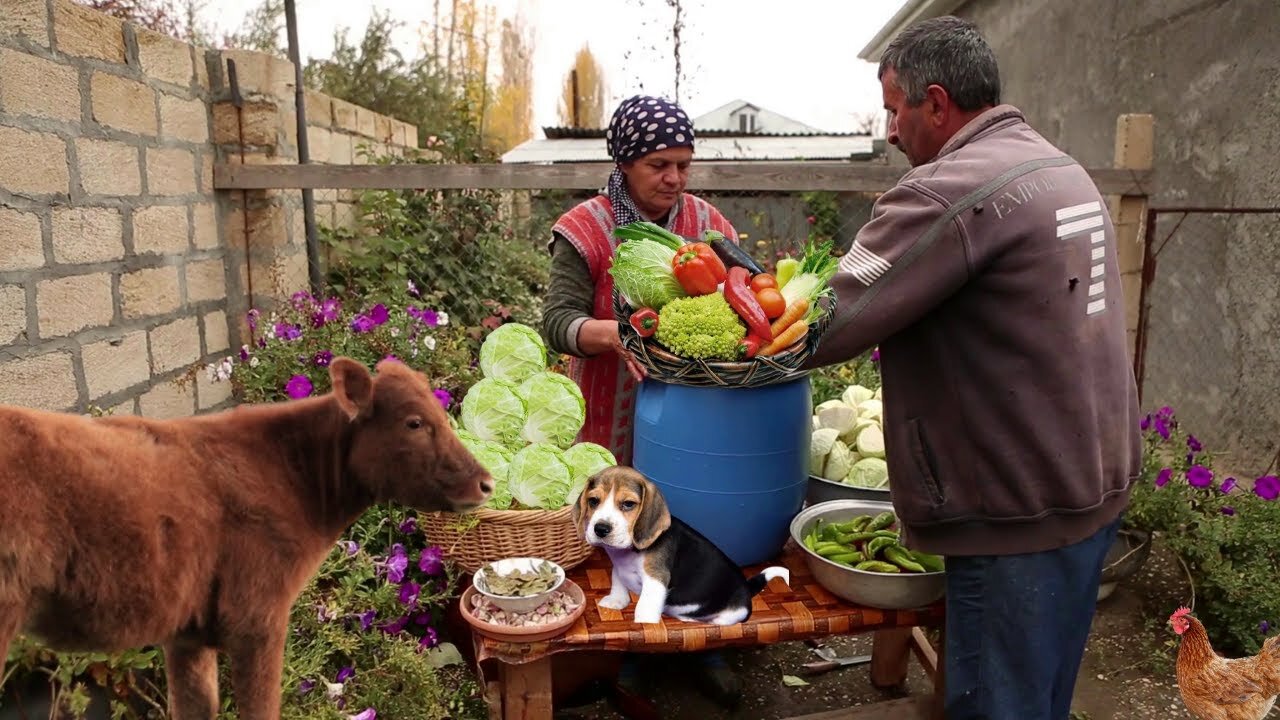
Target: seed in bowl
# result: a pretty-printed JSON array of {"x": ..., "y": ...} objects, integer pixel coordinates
[
  {"x": 558, "y": 606},
  {"x": 520, "y": 583}
]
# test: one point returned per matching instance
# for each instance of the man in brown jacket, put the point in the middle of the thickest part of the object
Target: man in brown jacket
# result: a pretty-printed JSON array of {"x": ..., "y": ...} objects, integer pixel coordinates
[{"x": 988, "y": 278}]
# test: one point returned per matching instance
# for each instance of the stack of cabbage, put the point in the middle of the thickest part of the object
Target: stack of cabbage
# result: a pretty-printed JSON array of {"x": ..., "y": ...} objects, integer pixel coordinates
[
  {"x": 520, "y": 421},
  {"x": 848, "y": 441}
]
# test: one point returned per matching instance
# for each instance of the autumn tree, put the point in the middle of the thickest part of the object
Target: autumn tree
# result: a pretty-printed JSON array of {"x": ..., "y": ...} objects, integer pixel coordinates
[
  {"x": 511, "y": 117},
  {"x": 583, "y": 97}
]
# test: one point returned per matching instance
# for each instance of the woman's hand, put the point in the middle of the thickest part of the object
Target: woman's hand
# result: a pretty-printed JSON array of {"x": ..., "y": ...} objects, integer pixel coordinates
[{"x": 597, "y": 336}]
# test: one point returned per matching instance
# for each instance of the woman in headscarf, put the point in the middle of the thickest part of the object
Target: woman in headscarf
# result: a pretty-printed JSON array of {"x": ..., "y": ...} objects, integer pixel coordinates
[{"x": 650, "y": 141}]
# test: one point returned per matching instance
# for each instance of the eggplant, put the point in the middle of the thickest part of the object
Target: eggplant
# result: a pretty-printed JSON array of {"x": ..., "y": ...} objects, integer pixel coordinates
[{"x": 729, "y": 253}]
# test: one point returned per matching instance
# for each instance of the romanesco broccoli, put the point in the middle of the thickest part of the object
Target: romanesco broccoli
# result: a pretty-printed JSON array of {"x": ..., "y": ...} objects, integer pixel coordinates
[{"x": 704, "y": 327}]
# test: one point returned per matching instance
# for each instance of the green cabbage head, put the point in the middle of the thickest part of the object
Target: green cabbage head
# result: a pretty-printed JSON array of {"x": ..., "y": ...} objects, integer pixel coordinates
[
  {"x": 556, "y": 409},
  {"x": 584, "y": 460},
  {"x": 642, "y": 273},
  {"x": 495, "y": 459},
  {"x": 513, "y": 352},
  {"x": 493, "y": 410},
  {"x": 538, "y": 477}
]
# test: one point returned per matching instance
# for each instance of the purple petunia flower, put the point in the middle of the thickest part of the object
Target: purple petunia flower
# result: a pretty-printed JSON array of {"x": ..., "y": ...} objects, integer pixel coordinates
[
  {"x": 302, "y": 300},
  {"x": 431, "y": 561},
  {"x": 1162, "y": 427},
  {"x": 444, "y": 397},
  {"x": 875, "y": 355},
  {"x": 366, "y": 619},
  {"x": 366, "y": 714},
  {"x": 323, "y": 358},
  {"x": 409, "y": 593},
  {"x": 351, "y": 546},
  {"x": 327, "y": 313},
  {"x": 422, "y": 618},
  {"x": 1193, "y": 444},
  {"x": 397, "y": 563},
  {"x": 1145, "y": 423},
  {"x": 429, "y": 317},
  {"x": 287, "y": 331},
  {"x": 1163, "y": 477},
  {"x": 345, "y": 674},
  {"x": 412, "y": 289},
  {"x": 362, "y": 324},
  {"x": 1267, "y": 487},
  {"x": 1264, "y": 626},
  {"x": 378, "y": 314},
  {"x": 306, "y": 686},
  {"x": 392, "y": 358},
  {"x": 429, "y": 639},
  {"x": 1199, "y": 476},
  {"x": 299, "y": 386},
  {"x": 409, "y": 526},
  {"x": 244, "y": 353},
  {"x": 1228, "y": 510},
  {"x": 1228, "y": 485},
  {"x": 252, "y": 318},
  {"x": 395, "y": 626},
  {"x": 324, "y": 614}
]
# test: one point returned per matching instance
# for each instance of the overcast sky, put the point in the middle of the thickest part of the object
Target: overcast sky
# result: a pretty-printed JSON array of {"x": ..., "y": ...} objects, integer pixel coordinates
[{"x": 794, "y": 57}]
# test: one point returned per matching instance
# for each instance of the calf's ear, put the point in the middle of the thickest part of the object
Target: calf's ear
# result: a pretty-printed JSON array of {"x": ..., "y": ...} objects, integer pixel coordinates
[{"x": 352, "y": 386}]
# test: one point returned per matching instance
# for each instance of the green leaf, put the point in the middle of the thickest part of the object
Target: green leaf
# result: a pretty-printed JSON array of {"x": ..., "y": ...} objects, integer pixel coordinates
[
  {"x": 793, "y": 681},
  {"x": 443, "y": 655}
]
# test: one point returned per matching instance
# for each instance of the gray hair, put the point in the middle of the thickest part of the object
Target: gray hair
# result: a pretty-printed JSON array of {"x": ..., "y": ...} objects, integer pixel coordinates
[{"x": 945, "y": 51}]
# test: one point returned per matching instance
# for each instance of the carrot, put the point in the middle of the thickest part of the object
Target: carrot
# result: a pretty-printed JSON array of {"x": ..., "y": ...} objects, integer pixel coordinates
[
  {"x": 794, "y": 332},
  {"x": 794, "y": 312}
]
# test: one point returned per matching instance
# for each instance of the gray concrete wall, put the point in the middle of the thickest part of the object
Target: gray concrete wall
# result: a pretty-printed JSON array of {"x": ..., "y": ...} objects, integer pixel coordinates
[{"x": 1209, "y": 71}]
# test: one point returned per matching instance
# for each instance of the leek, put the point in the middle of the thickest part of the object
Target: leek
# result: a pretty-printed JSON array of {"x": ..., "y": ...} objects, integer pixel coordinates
[{"x": 816, "y": 269}]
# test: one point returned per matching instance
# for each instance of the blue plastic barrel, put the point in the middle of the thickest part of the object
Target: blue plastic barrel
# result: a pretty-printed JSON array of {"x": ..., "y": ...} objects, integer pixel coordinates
[{"x": 733, "y": 463}]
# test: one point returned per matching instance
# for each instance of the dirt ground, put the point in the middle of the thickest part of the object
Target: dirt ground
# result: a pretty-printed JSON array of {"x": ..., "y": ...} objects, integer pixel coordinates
[{"x": 1127, "y": 672}]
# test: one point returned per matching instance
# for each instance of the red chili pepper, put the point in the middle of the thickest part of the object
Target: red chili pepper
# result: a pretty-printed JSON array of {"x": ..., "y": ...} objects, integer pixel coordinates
[
  {"x": 645, "y": 321},
  {"x": 744, "y": 302},
  {"x": 698, "y": 269},
  {"x": 749, "y": 346}
]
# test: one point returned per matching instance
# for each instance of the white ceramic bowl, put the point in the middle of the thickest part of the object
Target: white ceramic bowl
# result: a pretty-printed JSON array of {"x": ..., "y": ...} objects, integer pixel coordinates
[{"x": 506, "y": 566}]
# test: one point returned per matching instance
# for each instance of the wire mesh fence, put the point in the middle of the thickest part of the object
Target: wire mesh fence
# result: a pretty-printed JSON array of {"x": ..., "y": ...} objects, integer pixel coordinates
[{"x": 1210, "y": 344}]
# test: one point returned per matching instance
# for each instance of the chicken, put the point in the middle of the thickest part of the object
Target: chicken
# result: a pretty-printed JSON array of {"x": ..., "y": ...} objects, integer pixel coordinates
[{"x": 1218, "y": 688}]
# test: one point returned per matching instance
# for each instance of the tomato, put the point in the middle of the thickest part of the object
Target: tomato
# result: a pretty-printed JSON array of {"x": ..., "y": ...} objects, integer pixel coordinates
[
  {"x": 761, "y": 281},
  {"x": 771, "y": 302}
]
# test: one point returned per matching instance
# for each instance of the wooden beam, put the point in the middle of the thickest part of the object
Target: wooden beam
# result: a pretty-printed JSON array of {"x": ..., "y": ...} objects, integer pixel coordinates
[{"x": 706, "y": 176}]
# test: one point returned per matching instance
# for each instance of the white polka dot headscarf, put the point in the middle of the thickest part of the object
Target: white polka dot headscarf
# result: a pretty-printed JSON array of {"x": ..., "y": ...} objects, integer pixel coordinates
[
  {"x": 641, "y": 125},
  {"x": 644, "y": 124}
]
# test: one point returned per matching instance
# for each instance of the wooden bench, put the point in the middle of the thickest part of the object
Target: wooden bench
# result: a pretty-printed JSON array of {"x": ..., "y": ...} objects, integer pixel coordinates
[{"x": 521, "y": 688}]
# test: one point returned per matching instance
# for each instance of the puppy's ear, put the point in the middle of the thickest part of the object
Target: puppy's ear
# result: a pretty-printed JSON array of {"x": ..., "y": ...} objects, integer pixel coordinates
[
  {"x": 580, "y": 507},
  {"x": 653, "y": 519}
]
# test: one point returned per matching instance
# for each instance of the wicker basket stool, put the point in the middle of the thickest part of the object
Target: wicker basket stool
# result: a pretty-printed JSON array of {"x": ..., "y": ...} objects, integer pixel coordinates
[{"x": 492, "y": 535}]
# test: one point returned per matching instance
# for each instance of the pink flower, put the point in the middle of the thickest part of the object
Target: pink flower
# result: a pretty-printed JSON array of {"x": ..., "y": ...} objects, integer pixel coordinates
[
  {"x": 299, "y": 386},
  {"x": 1163, "y": 478}
]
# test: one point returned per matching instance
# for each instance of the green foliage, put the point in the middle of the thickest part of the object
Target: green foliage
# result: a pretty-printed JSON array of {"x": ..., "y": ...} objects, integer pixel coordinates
[
  {"x": 829, "y": 383},
  {"x": 1227, "y": 534},
  {"x": 824, "y": 214},
  {"x": 482, "y": 263}
]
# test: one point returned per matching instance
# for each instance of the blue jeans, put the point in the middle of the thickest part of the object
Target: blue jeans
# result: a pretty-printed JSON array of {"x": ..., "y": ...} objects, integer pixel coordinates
[{"x": 1017, "y": 627}]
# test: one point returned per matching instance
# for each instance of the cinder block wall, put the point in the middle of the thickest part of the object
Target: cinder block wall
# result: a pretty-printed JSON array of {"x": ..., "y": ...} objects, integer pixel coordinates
[{"x": 120, "y": 267}]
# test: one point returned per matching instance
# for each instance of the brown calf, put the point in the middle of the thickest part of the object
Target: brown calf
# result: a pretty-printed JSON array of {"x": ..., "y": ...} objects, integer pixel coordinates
[{"x": 198, "y": 533}]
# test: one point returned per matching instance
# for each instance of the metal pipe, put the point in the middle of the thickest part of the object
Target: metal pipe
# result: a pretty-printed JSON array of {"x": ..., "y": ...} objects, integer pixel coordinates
[{"x": 304, "y": 150}]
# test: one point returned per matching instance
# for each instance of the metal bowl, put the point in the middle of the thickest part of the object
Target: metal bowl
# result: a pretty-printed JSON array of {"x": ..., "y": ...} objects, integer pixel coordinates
[
  {"x": 886, "y": 591},
  {"x": 823, "y": 490}
]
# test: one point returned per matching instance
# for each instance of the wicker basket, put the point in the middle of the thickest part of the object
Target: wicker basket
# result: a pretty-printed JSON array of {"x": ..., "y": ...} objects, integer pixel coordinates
[
  {"x": 758, "y": 371},
  {"x": 496, "y": 534}
]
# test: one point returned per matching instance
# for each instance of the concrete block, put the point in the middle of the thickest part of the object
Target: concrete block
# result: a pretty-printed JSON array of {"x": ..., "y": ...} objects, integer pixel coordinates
[
  {"x": 151, "y": 291},
  {"x": 211, "y": 392},
  {"x": 87, "y": 235},
  {"x": 206, "y": 280},
  {"x": 168, "y": 400},
  {"x": 21, "y": 245},
  {"x": 175, "y": 345},
  {"x": 204, "y": 227},
  {"x": 164, "y": 58},
  {"x": 45, "y": 381},
  {"x": 30, "y": 85},
  {"x": 108, "y": 167},
  {"x": 28, "y": 19},
  {"x": 33, "y": 163},
  {"x": 184, "y": 119},
  {"x": 70, "y": 304},
  {"x": 160, "y": 230},
  {"x": 216, "y": 333},
  {"x": 171, "y": 171},
  {"x": 13, "y": 321},
  {"x": 123, "y": 104},
  {"x": 82, "y": 32},
  {"x": 116, "y": 364}
]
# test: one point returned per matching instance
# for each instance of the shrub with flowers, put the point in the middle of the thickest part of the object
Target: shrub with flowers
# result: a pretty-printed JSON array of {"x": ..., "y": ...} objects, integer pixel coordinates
[
  {"x": 292, "y": 347},
  {"x": 1226, "y": 531}
]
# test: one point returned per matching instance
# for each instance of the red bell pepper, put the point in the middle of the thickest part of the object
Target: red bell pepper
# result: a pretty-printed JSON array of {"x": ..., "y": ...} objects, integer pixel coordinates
[
  {"x": 744, "y": 302},
  {"x": 749, "y": 346},
  {"x": 645, "y": 321},
  {"x": 698, "y": 269}
]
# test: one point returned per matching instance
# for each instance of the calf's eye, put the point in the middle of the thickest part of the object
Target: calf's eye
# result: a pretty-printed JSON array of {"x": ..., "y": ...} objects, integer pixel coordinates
[{"x": 414, "y": 424}]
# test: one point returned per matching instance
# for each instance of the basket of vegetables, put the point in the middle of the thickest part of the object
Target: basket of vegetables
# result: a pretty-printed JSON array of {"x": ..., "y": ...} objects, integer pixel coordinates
[
  {"x": 521, "y": 422},
  {"x": 704, "y": 313}
]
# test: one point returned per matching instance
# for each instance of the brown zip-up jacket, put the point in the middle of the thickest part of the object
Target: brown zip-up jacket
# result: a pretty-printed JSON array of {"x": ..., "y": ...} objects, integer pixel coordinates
[{"x": 989, "y": 279}]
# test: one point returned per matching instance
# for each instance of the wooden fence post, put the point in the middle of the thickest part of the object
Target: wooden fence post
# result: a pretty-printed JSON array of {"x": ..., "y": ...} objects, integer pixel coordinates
[{"x": 1135, "y": 150}]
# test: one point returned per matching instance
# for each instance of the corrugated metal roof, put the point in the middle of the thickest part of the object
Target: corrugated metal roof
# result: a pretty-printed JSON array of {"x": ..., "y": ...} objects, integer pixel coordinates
[{"x": 753, "y": 147}]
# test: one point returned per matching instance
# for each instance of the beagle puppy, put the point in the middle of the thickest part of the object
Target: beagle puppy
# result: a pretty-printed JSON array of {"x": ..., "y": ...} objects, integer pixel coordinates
[{"x": 672, "y": 568}]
